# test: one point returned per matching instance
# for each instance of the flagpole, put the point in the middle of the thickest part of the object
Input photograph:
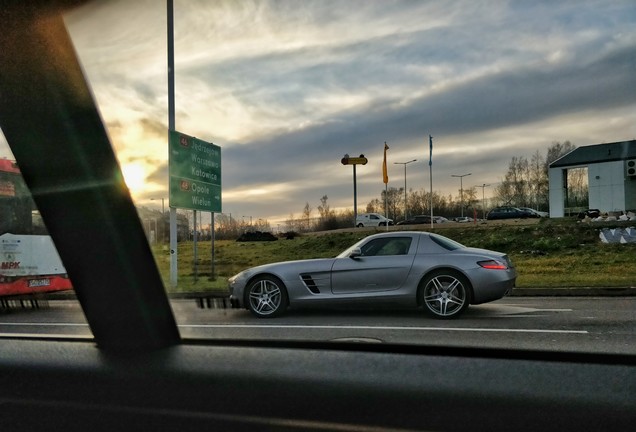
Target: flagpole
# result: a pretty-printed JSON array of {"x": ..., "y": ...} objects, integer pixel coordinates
[
  {"x": 386, "y": 211},
  {"x": 430, "y": 167},
  {"x": 385, "y": 179}
]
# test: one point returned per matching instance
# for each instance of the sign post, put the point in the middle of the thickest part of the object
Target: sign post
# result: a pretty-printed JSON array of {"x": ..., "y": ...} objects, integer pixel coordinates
[{"x": 346, "y": 160}]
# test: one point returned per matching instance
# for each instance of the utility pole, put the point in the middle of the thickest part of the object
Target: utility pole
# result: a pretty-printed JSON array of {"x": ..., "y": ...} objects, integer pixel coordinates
[
  {"x": 483, "y": 199},
  {"x": 406, "y": 216}
]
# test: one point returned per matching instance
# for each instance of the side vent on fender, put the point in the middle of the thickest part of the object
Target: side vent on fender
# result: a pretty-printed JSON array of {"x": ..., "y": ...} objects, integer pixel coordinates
[{"x": 310, "y": 283}]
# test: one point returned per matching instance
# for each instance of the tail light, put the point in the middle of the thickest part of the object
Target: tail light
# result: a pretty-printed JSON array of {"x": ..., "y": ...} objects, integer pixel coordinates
[{"x": 493, "y": 265}]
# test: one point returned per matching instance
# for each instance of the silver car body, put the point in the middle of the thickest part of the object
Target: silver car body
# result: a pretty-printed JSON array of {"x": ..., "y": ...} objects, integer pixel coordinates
[{"x": 386, "y": 279}]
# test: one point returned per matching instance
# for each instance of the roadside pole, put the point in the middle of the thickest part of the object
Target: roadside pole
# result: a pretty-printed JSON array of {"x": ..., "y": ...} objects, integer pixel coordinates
[
  {"x": 430, "y": 168},
  {"x": 346, "y": 160},
  {"x": 212, "y": 277},
  {"x": 171, "y": 128},
  {"x": 385, "y": 180}
]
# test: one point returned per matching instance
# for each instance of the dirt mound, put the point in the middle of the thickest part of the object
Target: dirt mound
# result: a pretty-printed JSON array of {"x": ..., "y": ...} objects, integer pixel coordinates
[{"x": 256, "y": 236}]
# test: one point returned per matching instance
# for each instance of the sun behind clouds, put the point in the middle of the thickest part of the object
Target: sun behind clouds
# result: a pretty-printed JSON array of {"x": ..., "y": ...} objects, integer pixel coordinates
[{"x": 134, "y": 176}]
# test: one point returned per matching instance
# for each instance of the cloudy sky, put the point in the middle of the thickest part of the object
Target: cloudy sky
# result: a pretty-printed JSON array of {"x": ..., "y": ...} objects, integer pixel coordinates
[{"x": 286, "y": 88}]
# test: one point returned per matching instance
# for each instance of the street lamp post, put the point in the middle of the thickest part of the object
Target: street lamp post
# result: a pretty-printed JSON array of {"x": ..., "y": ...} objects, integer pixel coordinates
[
  {"x": 406, "y": 216},
  {"x": 483, "y": 199},
  {"x": 163, "y": 208},
  {"x": 461, "y": 190}
]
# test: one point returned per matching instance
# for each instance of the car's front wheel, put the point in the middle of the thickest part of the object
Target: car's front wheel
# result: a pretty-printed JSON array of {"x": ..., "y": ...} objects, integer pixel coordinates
[
  {"x": 445, "y": 294},
  {"x": 267, "y": 297}
]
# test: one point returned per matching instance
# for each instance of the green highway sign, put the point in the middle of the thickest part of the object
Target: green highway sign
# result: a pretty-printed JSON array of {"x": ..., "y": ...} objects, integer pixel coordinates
[{"x": 195, "y": 173}]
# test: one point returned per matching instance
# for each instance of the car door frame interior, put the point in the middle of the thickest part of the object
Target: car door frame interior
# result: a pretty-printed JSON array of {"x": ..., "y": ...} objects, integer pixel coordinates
[{"x": 138, "y": 372}]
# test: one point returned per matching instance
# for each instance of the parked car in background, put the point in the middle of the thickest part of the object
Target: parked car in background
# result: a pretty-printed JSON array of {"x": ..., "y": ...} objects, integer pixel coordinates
[
  {"x": 536, "y": 213},
  {"x": 591, "y": 213},
  {"x": 372, "y": 220},
  {"x": 417, "y": 220},
  {"x": 508, "y": 213},
  {"x": 463, "y": 219},
  {"x": 440, "y": 219},
  {"x": 404, "y": 268}
]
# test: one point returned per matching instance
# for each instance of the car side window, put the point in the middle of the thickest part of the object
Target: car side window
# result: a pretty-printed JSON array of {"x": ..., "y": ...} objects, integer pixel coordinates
[{"x": 390, "y": 246}]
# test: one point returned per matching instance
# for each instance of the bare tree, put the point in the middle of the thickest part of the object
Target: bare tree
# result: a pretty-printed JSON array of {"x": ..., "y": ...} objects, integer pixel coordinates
[
  {"x": 556, "y": 150},
  {"x": 514, "y": 188},
  {"x": 307, "y": 217},
  {"x": 470, "y": 197},
  {"x": 539, "y": 187},
  {"x": 374, "y": 206},
  {"x": 328, "y": 219},
  {"x": 292, "y": 223},
  {"x": 393, "y": 196},
  {"x": 323, "y": 208}
]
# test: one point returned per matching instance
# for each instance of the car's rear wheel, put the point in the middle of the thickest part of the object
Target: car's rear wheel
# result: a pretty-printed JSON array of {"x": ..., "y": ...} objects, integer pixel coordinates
[
  {"x": 360, "y": 225},
  {"x": 267, "y": 297},
  {"x": 445, "y": 294}
]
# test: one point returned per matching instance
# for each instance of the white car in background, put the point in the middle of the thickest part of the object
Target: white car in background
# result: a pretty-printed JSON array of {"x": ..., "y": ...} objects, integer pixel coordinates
[{"x": 372, "y": 220}]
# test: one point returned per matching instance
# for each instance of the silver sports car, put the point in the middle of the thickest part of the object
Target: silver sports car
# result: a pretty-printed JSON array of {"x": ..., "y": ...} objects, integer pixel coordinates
[{"x": 398, "y": 268}]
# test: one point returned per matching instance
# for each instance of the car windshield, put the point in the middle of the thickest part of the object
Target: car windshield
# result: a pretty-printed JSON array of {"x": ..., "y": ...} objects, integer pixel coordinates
[{"x": 257, "y": 133}]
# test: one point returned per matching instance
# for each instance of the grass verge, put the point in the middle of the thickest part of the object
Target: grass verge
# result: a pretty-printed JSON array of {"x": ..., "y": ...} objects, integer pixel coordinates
[{"x": 547, "y": 253}]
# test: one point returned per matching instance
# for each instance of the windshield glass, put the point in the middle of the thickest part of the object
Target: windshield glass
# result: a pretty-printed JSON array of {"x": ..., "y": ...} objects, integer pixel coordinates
[{"x": 298, "y": 129}]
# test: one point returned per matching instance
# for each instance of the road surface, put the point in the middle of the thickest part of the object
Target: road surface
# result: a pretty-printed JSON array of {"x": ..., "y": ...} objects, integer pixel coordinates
[{"x": 564, "y": 324}]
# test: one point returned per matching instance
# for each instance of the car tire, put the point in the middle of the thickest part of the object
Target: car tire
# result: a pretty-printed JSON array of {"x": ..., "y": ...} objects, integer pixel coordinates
[
  {"x": 445, "y": 294},
  {"x": 360, "y": 225},
  {"x": 266, "y": 297}
]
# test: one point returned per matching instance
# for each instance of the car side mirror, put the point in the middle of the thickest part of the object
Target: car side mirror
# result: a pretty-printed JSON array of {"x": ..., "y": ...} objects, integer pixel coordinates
[{"x": 355, "y": 253}]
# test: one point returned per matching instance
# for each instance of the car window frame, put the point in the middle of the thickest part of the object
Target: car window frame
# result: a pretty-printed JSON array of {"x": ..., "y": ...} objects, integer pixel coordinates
[
  {"x": 79, "y": 188},
  {"x": 137, "y": 372}
]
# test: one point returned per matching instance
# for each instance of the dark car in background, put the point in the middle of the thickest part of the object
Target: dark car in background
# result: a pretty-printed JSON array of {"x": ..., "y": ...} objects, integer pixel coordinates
[
  {"x": 416, "y": 220},
  {"x": 535, "y": 213},
  {"x": 508, "y": 213}
]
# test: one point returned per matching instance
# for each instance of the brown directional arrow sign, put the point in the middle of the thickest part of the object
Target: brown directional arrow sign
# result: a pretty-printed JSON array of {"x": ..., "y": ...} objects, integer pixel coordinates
[{"x": 354, "y": 160}]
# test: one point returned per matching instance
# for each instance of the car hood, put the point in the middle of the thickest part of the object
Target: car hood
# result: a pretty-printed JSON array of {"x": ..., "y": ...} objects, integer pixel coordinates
[{"x": 283, "y": 268}]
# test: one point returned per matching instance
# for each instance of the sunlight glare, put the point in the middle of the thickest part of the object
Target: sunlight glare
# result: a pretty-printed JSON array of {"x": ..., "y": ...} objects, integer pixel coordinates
[{"x": 134, "y": 176}]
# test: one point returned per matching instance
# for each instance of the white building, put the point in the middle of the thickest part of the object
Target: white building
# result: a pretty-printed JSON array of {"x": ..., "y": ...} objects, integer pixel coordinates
[{"x": 611, "y": 175}]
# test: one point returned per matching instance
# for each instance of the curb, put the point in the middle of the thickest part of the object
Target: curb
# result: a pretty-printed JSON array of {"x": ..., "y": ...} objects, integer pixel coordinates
[{"x": 574, "y": 292}]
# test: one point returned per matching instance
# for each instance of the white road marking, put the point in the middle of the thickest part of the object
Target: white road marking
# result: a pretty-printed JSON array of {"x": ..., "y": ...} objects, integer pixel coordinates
[
  {"x": 44, "y": 324},
  {"x": 319, "y": 327},
  {"x": 352, "y": 327}
]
